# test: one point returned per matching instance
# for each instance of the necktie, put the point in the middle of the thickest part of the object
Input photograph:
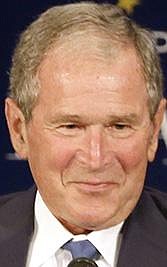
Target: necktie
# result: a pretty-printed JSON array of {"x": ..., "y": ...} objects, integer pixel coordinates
[{"x": 82, "y": 248}]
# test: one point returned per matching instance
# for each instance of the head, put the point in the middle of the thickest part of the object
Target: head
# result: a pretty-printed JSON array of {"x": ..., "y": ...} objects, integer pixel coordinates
[{"x": 85, "y": 108}]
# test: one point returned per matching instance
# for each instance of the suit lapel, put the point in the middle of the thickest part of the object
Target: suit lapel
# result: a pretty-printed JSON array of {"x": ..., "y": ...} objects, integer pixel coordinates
[
  {"x": 144, "y": 236},
  {"x": 16, "y": 229}
]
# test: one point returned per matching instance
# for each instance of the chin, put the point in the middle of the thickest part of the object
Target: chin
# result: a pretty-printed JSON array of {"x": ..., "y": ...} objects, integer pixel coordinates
[{"x": 93, "y": 221}]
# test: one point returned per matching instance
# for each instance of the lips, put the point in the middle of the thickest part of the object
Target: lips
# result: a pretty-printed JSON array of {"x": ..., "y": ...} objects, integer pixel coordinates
[{"x": 95, "y": 186}]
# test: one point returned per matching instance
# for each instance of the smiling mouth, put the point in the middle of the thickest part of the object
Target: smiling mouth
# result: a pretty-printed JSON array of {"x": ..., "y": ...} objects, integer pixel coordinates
[{"x": 95, "y": 187}]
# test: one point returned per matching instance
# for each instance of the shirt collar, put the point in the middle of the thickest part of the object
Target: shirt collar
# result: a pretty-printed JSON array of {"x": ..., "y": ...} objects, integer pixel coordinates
[
  {"x": 50, "y": 235},
  {"x": 107, "y": 242}
]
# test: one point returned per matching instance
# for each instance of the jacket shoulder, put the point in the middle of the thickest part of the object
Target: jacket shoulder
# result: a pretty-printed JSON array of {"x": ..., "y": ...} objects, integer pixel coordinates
[
  {"x": 7, "y": 197},
  {"x": 158, "y": 199},
  {"x": 4, "y": 199},
  {"x": 16, "y": 205}
]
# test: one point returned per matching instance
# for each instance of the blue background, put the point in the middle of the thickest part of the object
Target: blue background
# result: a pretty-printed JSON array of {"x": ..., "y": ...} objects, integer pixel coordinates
[{"x": 15, "y": 16}]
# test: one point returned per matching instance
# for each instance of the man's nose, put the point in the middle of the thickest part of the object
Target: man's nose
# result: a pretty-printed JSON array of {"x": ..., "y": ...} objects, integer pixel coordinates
[{"x": 94, "y": 151}]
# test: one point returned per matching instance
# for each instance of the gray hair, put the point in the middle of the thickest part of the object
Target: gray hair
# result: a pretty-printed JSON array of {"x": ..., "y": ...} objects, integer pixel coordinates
[{"x": 60, "y": 21}]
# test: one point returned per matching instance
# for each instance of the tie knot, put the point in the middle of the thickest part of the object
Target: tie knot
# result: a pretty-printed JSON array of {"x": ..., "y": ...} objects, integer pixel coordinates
[{"x": 83, "y": 248}]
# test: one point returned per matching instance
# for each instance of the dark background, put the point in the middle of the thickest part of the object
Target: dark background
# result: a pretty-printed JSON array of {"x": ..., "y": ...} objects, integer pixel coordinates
[{"x": 15, "y": 16}]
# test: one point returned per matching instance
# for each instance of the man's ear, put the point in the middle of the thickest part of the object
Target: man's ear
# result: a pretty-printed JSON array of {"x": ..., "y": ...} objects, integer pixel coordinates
[
  {"x": 17, "y": 127},
  {"x": 156, "y": 126}
]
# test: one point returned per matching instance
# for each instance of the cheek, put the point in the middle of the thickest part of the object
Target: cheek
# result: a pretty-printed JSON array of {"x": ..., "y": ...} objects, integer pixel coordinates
[
  {"x": 62, "y": 155},
  {"x": 49, "y": 151},
  {"x": 133, "y": 154},
  {"x": 47, "y": 162}
]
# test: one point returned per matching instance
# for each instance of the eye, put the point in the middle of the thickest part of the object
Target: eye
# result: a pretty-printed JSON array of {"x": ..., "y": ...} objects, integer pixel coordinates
[
  {"x": 70, "y": 126},
  {"x": 120, "y": 130},
  {"x": 69, "y": 129},
  {"x": 120, "y": 126}
]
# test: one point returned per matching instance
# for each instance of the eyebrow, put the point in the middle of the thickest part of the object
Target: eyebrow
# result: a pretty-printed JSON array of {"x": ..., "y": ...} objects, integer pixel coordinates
[
  {"x": 59, "y": 117},
  {"x": 131, "y": 117},
  {"x": 64, "y": 118}
]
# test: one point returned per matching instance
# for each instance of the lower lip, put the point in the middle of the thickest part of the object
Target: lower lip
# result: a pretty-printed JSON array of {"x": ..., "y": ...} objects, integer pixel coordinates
[{"x": 92, "y": 188}]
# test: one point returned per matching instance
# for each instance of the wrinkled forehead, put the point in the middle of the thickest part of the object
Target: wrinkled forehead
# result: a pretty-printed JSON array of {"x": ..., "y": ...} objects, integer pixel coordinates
[
  {"x": 90, "y": 44},
  {"x": 83, "y": 64},
  {"x": 89, "y": 52}
]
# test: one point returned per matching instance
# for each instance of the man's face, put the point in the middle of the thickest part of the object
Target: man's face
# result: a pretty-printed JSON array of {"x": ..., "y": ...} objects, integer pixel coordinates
[{"x": 89, "y": 138}]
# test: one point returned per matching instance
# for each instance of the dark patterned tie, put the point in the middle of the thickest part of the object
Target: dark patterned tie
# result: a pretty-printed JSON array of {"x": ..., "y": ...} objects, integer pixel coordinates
[{"x": 82, "y": 248}]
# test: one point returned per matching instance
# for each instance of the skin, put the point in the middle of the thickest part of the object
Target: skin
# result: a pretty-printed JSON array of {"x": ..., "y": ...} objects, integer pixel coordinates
[{"x": 90, "y": 137}]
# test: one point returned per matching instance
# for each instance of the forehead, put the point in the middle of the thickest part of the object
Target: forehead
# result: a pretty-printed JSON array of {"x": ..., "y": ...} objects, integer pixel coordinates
[
  {"x": 83, "y": 46},
  {"x": 86, "y": 64},
  {"x": 82, "y": 82}
]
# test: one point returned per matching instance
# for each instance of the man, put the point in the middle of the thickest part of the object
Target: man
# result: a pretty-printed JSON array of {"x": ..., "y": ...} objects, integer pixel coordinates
[{"x": 85, "y": 108}]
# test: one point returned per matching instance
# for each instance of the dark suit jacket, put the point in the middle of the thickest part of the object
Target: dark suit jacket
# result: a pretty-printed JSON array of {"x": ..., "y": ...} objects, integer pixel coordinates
[{"x": 144, "y": 242}]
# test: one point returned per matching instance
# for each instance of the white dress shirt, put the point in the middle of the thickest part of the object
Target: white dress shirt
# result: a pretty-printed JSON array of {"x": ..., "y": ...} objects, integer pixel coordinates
[{"x": 50, "y": 235}]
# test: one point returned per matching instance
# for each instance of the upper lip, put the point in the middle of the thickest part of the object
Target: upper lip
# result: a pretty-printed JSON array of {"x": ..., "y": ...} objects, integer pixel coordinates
[
  {"x": 94, "y": 182},
  {"x": 93, "y": 186}
]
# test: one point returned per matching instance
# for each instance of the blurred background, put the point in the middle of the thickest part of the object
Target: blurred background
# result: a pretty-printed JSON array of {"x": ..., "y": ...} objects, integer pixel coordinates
[{"x": 15, "y": 16}]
